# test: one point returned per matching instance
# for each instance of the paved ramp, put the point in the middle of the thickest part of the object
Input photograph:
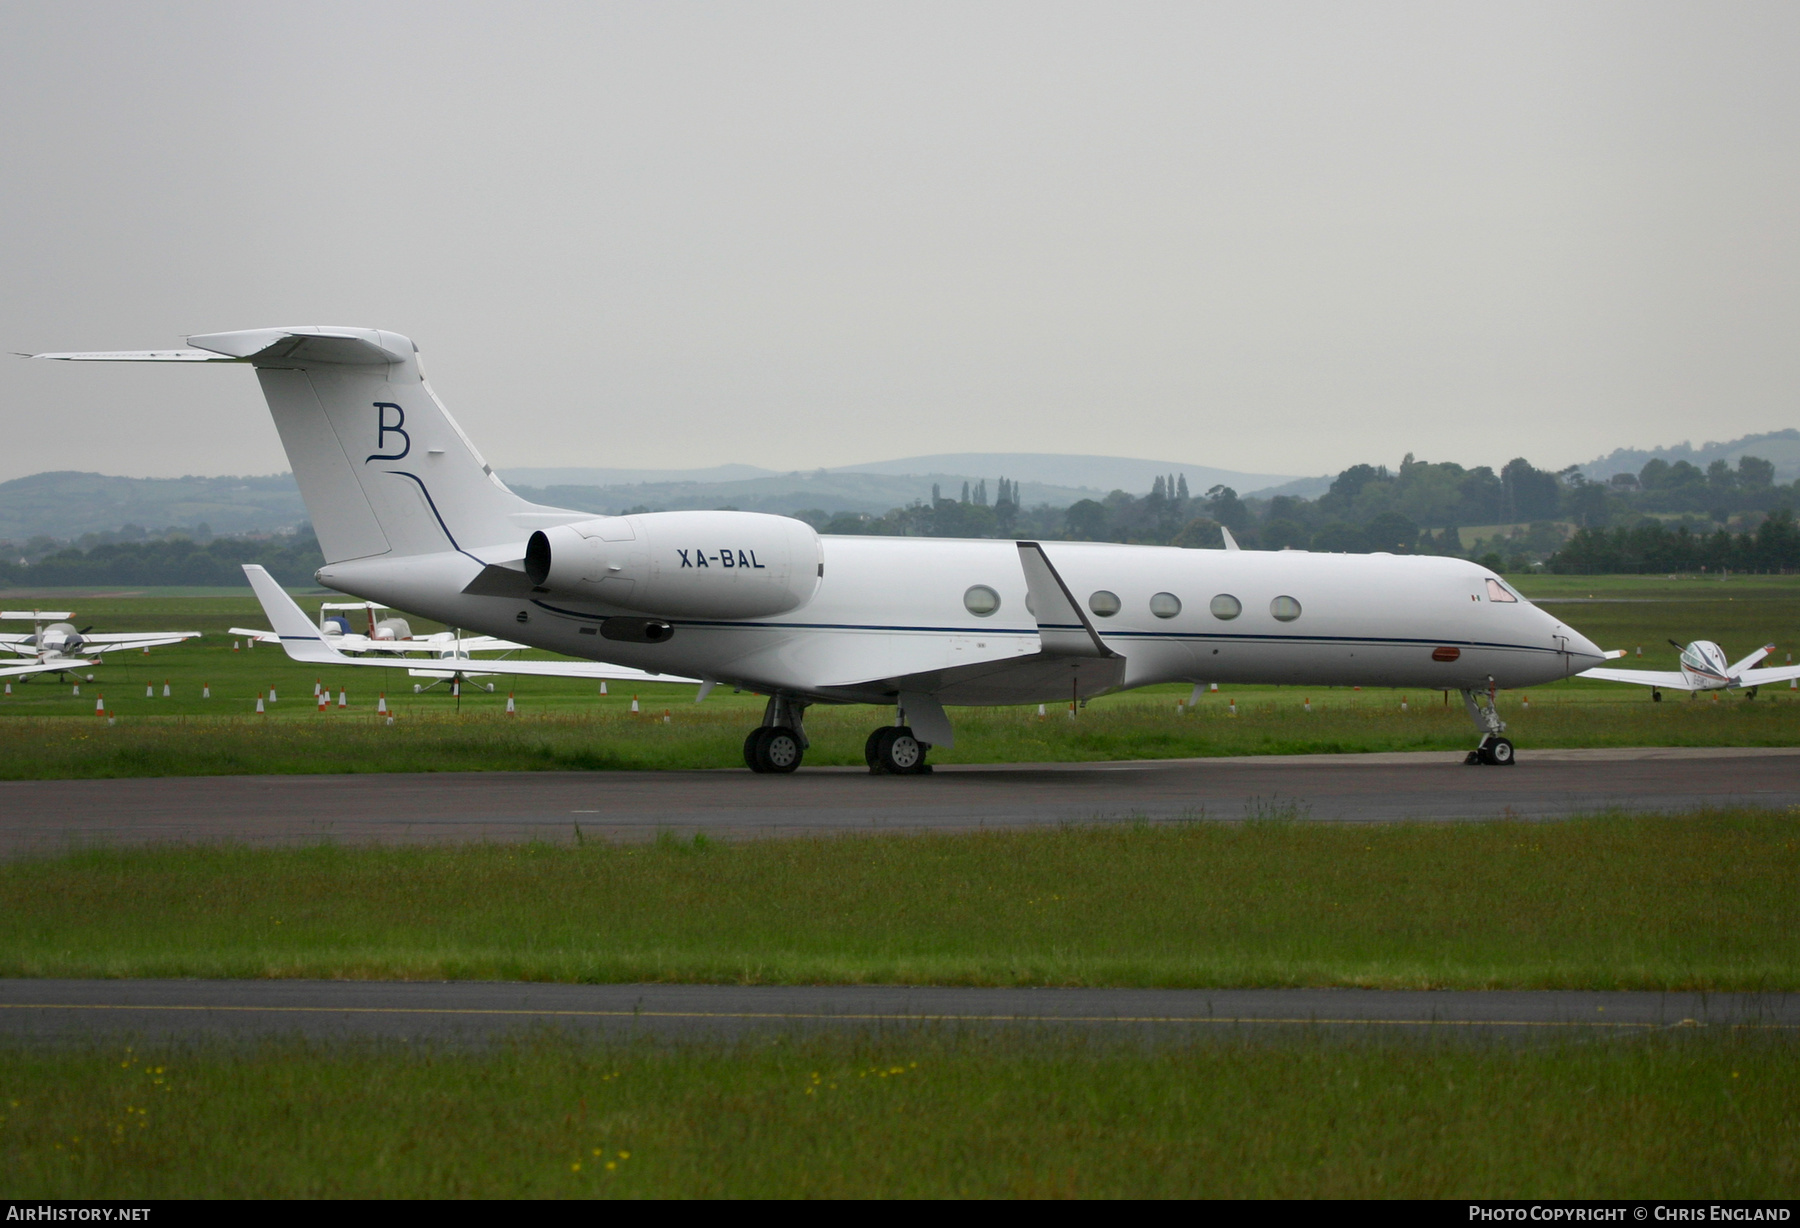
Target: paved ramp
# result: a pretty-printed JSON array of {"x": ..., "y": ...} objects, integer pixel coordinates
[{"x": 459, "y": 806}]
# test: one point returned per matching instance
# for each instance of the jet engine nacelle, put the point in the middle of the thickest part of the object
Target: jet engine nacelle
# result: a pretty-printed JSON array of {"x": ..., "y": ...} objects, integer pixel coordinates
[{"x": 682, "y": 564}]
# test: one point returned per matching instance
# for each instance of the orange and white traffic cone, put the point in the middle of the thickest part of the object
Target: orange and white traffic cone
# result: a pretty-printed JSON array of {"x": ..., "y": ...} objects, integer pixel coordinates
[
  {"x": 206, "y": 690},
  {"x": 381, "y": 705},
  {"x": 1524, "y": 701},
  {"x": 634, "y": 706},
  {"x": 343, "y": 698},
  {"x": 165, "y": 688},
  {"x": 1231, "y": 707},
  {"x": 316, "y": 688},
  {"x": 259, "y": 705},
  {"x": 510, "y": 710},
  {"x": 666, "y": 716},
  {"x": 324, "y": 698},
  {"x": 272, "y": 695},
  {"x": 100, "y": 706},
  {"x": 603, "y": 686},
  {"x": 149, "y": 691},
  {"x": 1403, "y": 703},
  {"x": 1307, "y": 704}
]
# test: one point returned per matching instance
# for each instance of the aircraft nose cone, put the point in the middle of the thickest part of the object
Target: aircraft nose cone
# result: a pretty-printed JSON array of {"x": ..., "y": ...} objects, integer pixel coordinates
[{"x": 1581, "y": 646}]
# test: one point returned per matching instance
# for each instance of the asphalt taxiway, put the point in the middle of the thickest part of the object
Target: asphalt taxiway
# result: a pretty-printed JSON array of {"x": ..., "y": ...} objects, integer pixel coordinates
[
  {"x": 44, "y": 816},
  {"x": 76, "y": 1011}
]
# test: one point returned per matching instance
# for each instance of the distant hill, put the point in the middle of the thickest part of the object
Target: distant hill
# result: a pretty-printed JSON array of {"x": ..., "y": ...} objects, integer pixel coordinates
[
  {"x": 1780, "y": 447},
  {"x": 65, "y": 505}
]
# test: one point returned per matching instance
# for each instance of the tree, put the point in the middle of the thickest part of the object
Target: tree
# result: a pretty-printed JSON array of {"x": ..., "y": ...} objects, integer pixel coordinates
[
  {"x": 1085, "y": 521},
  {"x": 1223, "y": 504},
  {"x": 1754, "y": 473},
  {"x": 1530, "y": 493},
  {"x": 1391, "y": 531}
]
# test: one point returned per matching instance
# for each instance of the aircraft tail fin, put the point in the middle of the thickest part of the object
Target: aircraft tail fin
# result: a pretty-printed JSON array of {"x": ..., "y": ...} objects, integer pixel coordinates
[
  {"x": 383, "y": 467},
  {"x": 299, "y": 638}
]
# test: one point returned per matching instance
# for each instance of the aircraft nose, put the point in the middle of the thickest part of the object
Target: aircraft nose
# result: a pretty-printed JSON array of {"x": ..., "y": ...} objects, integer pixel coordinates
[{"x": 1580, "y": 645}]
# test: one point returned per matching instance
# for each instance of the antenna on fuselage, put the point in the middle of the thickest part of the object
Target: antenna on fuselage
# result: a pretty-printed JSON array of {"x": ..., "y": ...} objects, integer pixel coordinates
[{"x": 1678, "y": 647}]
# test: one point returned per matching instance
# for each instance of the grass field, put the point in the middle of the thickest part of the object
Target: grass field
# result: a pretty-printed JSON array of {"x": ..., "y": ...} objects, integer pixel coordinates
[
  {"x": 1702, "y": 902},
  {"x": 932, "y": 1114},
  {"x": 46, "y": 731}
]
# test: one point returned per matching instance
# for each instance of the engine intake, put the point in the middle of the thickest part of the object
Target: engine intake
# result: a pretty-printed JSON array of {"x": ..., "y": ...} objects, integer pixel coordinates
[{"x": 723, "y": 565}]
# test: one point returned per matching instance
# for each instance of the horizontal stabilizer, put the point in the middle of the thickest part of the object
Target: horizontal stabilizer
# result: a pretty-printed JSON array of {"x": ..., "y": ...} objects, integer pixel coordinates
[
  {"x": 45, "y": 667},
  {"x": 141, "y": 356},
  {"x": 1751, "y": 660},
  {"x": 34, "y": 616}
]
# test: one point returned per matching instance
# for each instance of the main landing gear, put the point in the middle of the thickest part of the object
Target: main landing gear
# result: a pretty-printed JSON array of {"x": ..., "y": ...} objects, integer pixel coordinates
[
  {"x": 1493, "y": 750},
  {"x": 779, "y": 743},
  {"x": 893, "y": 750}
]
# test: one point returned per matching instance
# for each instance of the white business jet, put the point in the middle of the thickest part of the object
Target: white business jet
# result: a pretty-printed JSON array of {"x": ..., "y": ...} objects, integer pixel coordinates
[
  {"x": 407, "y": 513},
  {"x": 1703, "y": 668},
  {"x": 387, "y": 635},
  {"x": 59, "y": 648}
]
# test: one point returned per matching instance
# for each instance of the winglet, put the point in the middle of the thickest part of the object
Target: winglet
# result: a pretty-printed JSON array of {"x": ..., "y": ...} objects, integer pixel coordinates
[
  {"x": 1230, "y": 541},
  {"x": 1063, "y": 628},
  {"x": 299, "y": 638}
]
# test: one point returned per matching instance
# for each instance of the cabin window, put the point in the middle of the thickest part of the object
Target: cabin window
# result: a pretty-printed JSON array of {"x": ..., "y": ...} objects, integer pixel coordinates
[
  {"x": 1105, "y": 604},
  {"x": 1226, "y": 606},
  {"x": 1285, "y": 609},
  {"x": 981, "y": 600},
  {"x": 1496, "y": 592},
  {"x": 1165, "y": 605}
]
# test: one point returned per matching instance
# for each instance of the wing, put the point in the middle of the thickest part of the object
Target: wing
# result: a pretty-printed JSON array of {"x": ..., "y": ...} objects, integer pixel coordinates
[
  {"x": 1665, "y": 679},
  {"x": 1751, "y": 660},
  {"x": 303, "y": 642},
  {"x": 265, "y": 637},
  {"x": 45, "y": 667},
  {"x": 1763, "y": 677},
  {"x": 116, "y": 643}
]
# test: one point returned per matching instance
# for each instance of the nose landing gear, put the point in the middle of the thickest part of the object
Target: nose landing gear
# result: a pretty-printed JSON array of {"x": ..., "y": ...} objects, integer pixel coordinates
[{"x": 1493, "y": 750}]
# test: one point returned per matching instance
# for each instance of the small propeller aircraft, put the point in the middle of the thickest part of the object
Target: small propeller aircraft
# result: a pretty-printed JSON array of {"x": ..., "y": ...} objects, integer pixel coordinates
[
  {"x": 1703, "y": 668},
  {"x": 387, "y": 635},
  {"x": 59, "y": 648}
]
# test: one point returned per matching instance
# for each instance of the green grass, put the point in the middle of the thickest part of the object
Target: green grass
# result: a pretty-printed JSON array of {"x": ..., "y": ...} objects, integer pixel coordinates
[
  {"x": 925, "y": 1114},
  {"x": 46, "y": 731},
  {"x": 1704, "y": 902}
]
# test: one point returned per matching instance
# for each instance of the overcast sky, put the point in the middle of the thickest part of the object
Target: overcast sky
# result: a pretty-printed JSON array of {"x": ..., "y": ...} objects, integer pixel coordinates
[{"x": 1272, "y": 237}]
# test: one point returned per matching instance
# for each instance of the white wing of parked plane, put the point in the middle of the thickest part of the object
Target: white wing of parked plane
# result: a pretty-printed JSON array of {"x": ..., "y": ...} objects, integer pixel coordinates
[
  {"x": 1666, "y": 679},
  {"x": 1750, "y": 661},
  {"x": 1763, "y": 677},
  {"x": 125, "y": 640},
  {"x": 303, "y": 641},
  {"x": 56, "y": 665},
  {"x": 36, "y": 616}
]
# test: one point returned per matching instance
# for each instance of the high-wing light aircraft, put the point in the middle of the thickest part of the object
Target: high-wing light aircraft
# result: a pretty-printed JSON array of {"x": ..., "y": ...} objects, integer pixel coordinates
[
  {"x": 407, "y": 513},
  {"x": 59, "y": 648},
  {"x": 1703, "y": 668}
]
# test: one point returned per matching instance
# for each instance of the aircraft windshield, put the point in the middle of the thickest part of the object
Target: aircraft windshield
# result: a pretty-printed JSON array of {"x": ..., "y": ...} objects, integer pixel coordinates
[{"x": 1497, "y": 592}]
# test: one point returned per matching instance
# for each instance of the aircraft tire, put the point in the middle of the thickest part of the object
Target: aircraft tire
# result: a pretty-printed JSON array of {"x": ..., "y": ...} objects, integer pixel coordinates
[
  {"x": 1500, "y": 753},
  {"x": 898, "y": 752},
  {"x": 1655, "y": 697},
  {"x": 870, "y": 756},
  {"x": 773, "y": 749}
]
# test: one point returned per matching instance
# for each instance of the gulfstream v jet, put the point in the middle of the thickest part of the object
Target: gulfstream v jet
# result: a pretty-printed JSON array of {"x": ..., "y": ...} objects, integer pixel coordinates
[{"x": 409, "y": 515}]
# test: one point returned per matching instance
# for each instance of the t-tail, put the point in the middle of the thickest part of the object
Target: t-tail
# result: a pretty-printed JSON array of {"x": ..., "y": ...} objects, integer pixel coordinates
[{"x": 383, "y": 467}]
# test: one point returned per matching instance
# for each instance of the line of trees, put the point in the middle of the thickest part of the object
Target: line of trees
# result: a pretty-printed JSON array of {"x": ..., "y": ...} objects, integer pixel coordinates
[
  {"x": 1519, "y": 516},
  {"x": 174, "y": 558}
]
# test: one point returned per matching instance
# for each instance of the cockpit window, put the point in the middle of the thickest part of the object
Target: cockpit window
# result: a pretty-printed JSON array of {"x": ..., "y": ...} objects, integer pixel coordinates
[{"x": 1497, "y": 592}]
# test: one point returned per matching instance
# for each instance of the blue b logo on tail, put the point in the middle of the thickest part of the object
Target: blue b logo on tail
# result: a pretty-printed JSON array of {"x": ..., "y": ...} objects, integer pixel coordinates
[{"x": 383, "y": 429}]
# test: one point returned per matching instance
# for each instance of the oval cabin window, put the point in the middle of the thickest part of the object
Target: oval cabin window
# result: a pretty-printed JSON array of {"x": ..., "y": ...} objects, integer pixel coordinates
[
  {"x": 1285, "y": 609},
  {"x": 1226, "y": 606},
  {"x": 981, "y": 600},
  {"x": 1165, "y": 605},
  {"x": 1104, "y": 604}
]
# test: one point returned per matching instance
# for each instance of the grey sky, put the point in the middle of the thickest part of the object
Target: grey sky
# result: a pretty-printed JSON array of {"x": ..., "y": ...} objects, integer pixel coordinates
[{"x": 1272, "y": 237}]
